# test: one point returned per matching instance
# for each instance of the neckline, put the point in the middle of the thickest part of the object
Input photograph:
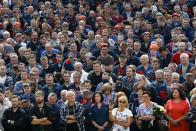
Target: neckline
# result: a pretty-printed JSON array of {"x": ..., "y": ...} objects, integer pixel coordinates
[{"x": 177, "y": 102}]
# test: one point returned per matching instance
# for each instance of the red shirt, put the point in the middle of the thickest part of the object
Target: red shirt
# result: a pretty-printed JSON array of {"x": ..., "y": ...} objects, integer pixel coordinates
[{"x": 176, "y": 57}]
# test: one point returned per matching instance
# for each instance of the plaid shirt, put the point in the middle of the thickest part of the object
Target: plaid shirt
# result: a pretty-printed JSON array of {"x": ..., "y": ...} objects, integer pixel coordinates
[{"x": 78, "y": 113}]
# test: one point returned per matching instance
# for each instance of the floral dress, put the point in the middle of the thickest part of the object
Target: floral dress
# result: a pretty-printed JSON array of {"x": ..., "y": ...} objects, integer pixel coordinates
[{"x": 147, "y": 111}]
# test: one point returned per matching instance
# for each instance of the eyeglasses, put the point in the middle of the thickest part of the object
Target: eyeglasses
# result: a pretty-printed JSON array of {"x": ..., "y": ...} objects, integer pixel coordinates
[{"x": 122, "y": 102}]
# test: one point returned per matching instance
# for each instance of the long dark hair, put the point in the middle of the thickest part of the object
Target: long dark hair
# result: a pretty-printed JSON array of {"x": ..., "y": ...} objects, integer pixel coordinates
[
  {"x": 101, "y": 95},
  {"x": 181, "y": 94}
]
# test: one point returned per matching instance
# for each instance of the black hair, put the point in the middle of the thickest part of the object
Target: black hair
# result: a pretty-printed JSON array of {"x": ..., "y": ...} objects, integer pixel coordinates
[
  {"x": 60, "y": 53},
  {"x": 162, "y": 49},
  {"x": 147, "y": 92},
  {"x": 181, "y": 94},
  {"x": 101, "y": 95}
]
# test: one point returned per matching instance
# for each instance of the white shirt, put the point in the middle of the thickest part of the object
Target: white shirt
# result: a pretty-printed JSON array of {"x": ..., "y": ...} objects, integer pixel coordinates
[
  {"x": 83, "y": 77},
  {"x": 2, "y": 79},
  {"x": 121, "y": 116}
]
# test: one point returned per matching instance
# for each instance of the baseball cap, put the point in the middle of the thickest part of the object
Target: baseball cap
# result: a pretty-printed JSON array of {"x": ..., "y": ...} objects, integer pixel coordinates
[{"x": 24, "y": 97}]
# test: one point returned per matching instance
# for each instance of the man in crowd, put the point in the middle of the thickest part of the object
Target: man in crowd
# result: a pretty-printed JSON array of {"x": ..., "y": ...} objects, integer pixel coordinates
[
  {"x": 73, "y": 120},
  {"x": 14, "y": 117},
  {"x": 42, "y": 114},
  {"x": 96, "y": 75},
  {"x": 45, "y": 49}
]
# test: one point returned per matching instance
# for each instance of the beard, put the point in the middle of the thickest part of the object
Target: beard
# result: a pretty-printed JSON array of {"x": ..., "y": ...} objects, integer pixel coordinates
[{"x": 39, "y": 101}]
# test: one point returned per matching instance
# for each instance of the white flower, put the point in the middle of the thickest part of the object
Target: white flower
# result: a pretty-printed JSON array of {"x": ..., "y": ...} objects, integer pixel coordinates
[{"x": 162, "y": 109}]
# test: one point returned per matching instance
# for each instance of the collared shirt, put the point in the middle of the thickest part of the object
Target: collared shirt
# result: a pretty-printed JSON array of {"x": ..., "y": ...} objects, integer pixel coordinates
[
  {"x": 77, "y": 112},
  {"x": 83, "y": 76}
]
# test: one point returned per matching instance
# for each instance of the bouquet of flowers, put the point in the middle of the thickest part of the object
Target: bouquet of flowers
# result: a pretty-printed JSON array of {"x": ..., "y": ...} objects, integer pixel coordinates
[{"x": 158, "y": 112}]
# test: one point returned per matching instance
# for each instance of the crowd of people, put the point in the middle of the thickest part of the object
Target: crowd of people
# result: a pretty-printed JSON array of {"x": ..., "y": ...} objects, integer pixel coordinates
[{"x": 97, "y": 65}]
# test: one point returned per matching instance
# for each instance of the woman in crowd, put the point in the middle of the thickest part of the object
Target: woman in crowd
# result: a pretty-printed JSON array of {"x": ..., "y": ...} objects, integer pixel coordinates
[
  {"x": 108, "y": 94},
  {"x": 119, "y": 94},
  {"x": 134, "y": 101},
  {"x": 145, "y": 118},
  {"x": 121, "y": 116},
  {"x": 99, "y": 113},
  {"x": 136, "y": 97},
  {"x": 176, "y": 111}
]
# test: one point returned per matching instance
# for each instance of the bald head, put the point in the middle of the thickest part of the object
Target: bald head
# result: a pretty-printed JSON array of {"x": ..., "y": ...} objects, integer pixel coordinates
[
  {"x": 182, "y": 46},
  {"x": 144, "y": 59},
  {"x": 184, "y": 59}
]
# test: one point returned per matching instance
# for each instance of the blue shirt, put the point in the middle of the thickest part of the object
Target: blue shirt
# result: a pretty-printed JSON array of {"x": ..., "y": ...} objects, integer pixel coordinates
[{"x": 100, "y": 116}]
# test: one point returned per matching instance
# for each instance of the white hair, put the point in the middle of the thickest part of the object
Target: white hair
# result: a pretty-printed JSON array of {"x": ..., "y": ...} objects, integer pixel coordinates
[
  {"x": 159, "y": 72},
  {"x": 70, "y": 93},
  {"x": 145, "y": 55},
  {"x": 77, "y": 63},
  {"x": 64, "y": 92},
  {"x": 6, "y": 33},
  {"x": 175, "y": 74}
]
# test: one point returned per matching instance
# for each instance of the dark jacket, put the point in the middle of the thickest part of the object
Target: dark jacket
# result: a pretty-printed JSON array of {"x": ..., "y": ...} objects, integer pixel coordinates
[
  {"x": 45, "y": 112},
  {"x": 179, "y": 68},
  {"x": 119, "y": 72},
  {"x": 18, "y": 117},
  {"x": 56, "y": 89}
]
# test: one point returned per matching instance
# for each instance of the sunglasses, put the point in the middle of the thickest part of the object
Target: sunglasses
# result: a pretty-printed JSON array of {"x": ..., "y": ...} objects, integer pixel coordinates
[{"x": 122, "y": 102}]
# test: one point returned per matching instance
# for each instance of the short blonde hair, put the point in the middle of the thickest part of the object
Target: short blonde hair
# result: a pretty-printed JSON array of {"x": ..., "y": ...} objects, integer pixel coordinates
[{"x": 124, "y": 98}]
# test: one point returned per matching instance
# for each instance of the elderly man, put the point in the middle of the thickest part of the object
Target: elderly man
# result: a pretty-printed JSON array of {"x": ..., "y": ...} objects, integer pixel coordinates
[
  {"x": 72, "y": 113},
  {"x": 184, "y": 66},
  {"x": 182, "y": 49},
  {"x": 63, "y": 98},
  {"x": 162, "y": 91},
  {"x": 79, "y": 68},
  {"x": 50, "y": 53},
  {"x": 145, "y": 66}
]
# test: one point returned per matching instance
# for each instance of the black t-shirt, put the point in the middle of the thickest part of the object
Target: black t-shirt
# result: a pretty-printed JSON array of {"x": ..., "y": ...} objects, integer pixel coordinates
[
  {"x": 50, "y": 69},
  {"x": 95, "y": 80},
  {"x": 71, "y": 110},
  {"x": 72, "y": 126},
  {"x": 46, "y": 111}
]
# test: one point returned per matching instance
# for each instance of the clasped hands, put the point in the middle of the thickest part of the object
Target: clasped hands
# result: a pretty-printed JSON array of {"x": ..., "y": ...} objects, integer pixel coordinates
[{"x": 71, "y": 119}]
